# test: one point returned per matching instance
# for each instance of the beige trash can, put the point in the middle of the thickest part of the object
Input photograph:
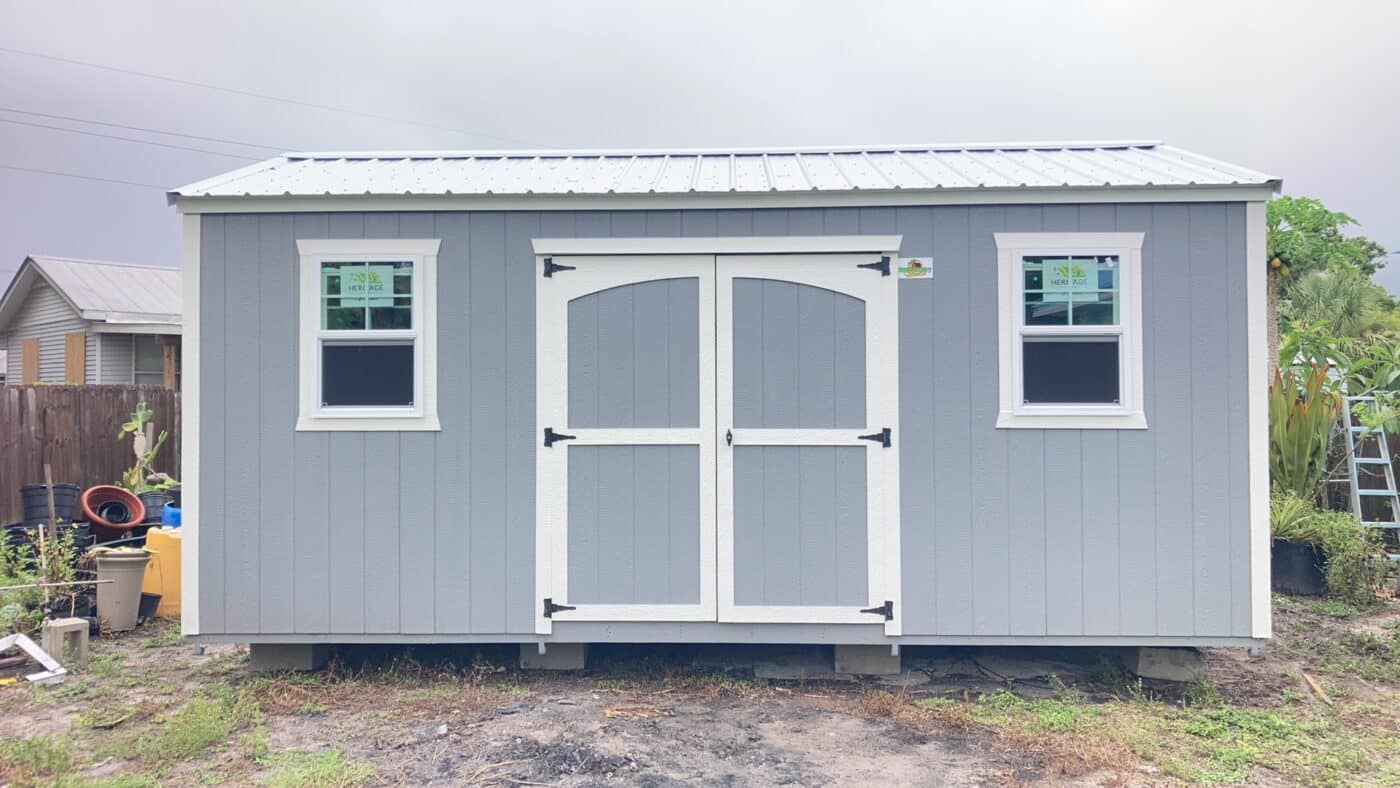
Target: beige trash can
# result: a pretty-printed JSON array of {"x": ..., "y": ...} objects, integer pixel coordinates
[{"x": 119, "y": 601}]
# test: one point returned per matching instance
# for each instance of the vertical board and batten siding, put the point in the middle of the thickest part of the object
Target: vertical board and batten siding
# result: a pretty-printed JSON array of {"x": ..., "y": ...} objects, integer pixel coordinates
[
  {"x": 1059, "y": 533},
  {"x": 48, "y": 317}
]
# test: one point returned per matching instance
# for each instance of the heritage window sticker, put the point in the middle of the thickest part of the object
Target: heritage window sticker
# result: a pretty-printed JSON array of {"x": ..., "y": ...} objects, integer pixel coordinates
[{"x": 915, "y": 268}]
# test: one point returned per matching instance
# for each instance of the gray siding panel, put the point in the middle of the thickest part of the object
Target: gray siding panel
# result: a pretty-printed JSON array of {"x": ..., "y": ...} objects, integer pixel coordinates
[
  {"x": 952, "y": 436},
  {"x": 117, "y": 357},
  {"x": 634, "y": 524},
  {"x": 1005, "y": 532},
  {"x": 243, "y": 414},
  {"x": 214, "y": 395},
  {"x": 486, "y": 505},
  {"x": 634, "y": 356},
  {"x": 47, "y": 316},
  {"x": 800, "y": 525},
  {"x": 276, "y": 397},
  {"x": 311, "y": 519}
]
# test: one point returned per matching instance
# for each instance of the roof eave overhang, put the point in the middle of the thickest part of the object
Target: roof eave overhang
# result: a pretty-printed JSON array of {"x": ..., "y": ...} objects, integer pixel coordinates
[{"x": 1235, "y": 192}]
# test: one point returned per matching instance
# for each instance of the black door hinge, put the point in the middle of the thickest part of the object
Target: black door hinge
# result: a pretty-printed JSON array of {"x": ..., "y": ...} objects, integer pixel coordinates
[
  {"x": 550, "y": 267},
  {"x": 551, "y": 437},
  {"x": 883, "y": 437},
  {"x": 883, "y": 266},
  {"x": 550, "y": 608},
  {"x": 886, "y": 610}
]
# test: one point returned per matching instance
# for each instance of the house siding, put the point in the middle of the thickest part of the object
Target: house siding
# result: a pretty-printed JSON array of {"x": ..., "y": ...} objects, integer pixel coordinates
[
  {"x": 116, "y": 358},
  {"x": 1072, "y": 536},
  {"x": 47, "y": 316}
]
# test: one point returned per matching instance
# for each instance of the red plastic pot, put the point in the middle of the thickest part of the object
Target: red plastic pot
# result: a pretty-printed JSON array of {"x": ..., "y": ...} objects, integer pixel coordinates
[{"x": 109, "y": 500}]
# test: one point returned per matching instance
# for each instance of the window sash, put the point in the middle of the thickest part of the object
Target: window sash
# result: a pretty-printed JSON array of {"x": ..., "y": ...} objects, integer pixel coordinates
[{"x": 1021, "y": 330}]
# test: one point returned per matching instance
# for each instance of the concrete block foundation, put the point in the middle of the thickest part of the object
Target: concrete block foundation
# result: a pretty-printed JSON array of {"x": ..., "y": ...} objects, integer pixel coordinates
[
  {"x": 867, "y": 660},
  {"x": 266, "y": 657},
  {"x": 1166, "y": 664},
  {"x": 557, "y": 656}
]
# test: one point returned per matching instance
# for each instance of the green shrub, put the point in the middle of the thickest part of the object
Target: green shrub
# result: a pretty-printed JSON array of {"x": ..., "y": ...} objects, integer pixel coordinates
[{"x": 1356, "y": 563}]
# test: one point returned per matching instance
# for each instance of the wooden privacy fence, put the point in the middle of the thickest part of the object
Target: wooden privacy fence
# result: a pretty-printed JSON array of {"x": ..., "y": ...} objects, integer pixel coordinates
[{"x": 74, "y": 429}]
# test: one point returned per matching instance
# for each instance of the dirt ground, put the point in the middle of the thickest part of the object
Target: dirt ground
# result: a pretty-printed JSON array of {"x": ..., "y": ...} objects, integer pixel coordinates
[{"x": 1317, "y": 707}]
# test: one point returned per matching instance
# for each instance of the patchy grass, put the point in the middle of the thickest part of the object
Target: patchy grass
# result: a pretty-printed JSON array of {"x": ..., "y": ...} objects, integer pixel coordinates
[
  {"x": 168, "y": 638},
  {"x": 1206, "y": 743},
  {"x": 36, "y": 761},
  {"x": 201, "y": 723},
  {"x": 1364, "y": 654},
  {"x": 329, "y": 769}
]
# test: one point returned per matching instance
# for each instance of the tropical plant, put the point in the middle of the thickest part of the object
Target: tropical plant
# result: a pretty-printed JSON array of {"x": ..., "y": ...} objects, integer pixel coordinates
[
  {"x": 136, "y": 477},
  {"x": 1304, "y": 237},
  {"x": 1345, "y": 302},
  {"x": 1355, "y": 559},
  {"x": 1304, "y": 406}
]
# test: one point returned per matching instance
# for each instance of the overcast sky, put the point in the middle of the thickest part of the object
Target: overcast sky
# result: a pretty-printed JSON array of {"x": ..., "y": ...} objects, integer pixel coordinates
[{"x": 1305, "y": 91}]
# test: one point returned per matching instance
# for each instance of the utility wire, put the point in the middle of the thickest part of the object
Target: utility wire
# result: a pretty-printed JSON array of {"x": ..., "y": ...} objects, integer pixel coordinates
[
  {"x": 127, "y": 139},
  {"x": 139, "y": 128},
  {"x": 251, "y": 94},
  {"x": 76, "y": 175}
]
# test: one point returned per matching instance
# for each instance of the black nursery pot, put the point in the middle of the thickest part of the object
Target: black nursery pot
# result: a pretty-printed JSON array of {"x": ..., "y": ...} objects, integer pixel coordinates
[
  {"x": 154, "y": 501},
  {"x": 34, "y": 498},
  {"x": 1297, "y": 568}
]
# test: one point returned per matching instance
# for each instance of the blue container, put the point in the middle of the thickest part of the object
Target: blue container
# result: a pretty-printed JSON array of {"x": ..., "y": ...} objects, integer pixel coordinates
[{"x": 170, "y": 516}]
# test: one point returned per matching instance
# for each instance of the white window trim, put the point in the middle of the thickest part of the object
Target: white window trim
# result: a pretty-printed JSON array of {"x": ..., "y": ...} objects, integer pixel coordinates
[
  {"x": 423, "y": 415},
  {"x": 1014, "y": 413}
]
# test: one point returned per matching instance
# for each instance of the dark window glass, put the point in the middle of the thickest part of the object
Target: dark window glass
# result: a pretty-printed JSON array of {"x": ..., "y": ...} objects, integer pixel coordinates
[
  {"x": 367, "y": 375},
  {"x": 1069, "y": 372}
]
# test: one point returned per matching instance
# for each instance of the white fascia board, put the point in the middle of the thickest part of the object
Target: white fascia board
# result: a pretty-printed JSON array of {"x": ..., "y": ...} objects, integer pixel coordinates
[
  {"x": 792, "y": 244},
  {"x": 689, "y": 200},
  {"x": 165, "y": 329}
]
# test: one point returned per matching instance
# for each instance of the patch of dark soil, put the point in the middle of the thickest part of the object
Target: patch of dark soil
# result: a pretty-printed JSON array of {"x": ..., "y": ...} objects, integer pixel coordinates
[{"x": 563, "y": 758}]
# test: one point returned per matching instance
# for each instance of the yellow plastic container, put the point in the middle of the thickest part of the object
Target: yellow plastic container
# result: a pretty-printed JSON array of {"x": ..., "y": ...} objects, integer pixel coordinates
[{"x": 163, "y": 572}]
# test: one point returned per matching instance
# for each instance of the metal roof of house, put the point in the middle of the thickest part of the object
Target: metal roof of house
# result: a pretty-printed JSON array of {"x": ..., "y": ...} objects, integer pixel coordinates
[
  {"x": 745, "y": 171},
  {"x": 100, "y": 290}
]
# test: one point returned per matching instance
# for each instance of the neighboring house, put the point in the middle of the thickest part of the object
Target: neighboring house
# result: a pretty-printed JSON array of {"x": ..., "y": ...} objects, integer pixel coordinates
[
  {"x": 91, "y": 322},
  {"x": 868, "y": 397},
  {"x": 4, "y": 362}
]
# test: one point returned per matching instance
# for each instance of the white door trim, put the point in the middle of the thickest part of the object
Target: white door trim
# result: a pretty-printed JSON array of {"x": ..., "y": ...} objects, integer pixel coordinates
[
  {"x": 553, "y": 293},
  {"x": 837, "y": 272}
]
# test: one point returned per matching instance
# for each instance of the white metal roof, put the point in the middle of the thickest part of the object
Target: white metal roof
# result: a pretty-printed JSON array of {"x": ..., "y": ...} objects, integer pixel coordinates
[
  {"x": 744, "y": 171},
  {"x": 101, "y": 290}
]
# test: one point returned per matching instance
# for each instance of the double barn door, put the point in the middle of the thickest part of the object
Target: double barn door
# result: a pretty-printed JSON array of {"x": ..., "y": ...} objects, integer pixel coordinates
[{"x": 716, "y": 439}]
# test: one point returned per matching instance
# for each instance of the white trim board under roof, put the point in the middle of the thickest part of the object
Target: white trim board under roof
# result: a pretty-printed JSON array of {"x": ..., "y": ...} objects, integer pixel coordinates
[{"x": 780, "y": 177}]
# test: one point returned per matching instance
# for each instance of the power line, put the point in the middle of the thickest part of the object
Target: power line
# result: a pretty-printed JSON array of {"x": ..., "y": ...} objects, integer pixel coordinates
[
  {"x": 83, "y": 177},
  {"x": 140, "y": 128},
  {"x": 127, "y": 139},
  {"x": 264, "y": 96}
]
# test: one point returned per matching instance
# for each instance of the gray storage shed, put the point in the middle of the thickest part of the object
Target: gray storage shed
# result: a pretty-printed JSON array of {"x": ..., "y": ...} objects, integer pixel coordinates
[{"x": 973, "y": 394}]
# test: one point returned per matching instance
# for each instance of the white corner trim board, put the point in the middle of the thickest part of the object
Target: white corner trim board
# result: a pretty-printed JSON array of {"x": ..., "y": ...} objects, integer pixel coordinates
[
  {"x": 422, "y": 413},
  {"x": 1257, "y": 317},
  {"x": 1014, "y": 411},
  {"x": 189, "y": 426}
]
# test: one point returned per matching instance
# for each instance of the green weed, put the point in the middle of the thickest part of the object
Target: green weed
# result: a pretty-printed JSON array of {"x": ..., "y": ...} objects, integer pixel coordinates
[{"x": 329, "y": 769}]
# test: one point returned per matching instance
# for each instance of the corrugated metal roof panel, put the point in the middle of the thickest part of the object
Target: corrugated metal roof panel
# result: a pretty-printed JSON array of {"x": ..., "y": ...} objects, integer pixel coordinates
[
  {"x": 993, "y": 166},
  {"x": 97, "y": 288}
]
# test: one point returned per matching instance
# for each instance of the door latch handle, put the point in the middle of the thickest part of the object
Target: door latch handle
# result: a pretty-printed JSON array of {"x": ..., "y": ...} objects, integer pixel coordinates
[
  {"x": 883, "y": 437},
  {"x": 729, "y": 437}
]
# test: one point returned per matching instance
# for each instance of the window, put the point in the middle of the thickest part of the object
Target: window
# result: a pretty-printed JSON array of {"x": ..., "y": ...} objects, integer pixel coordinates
[
  {"x": 1070, "y": 330},
  {"x": 368, "y": 335},
  {"x": 147, "y": 361}
]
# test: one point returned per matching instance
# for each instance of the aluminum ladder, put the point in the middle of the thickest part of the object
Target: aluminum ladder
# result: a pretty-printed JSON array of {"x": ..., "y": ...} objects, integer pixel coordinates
[{"x": 1360, "y": 464}]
